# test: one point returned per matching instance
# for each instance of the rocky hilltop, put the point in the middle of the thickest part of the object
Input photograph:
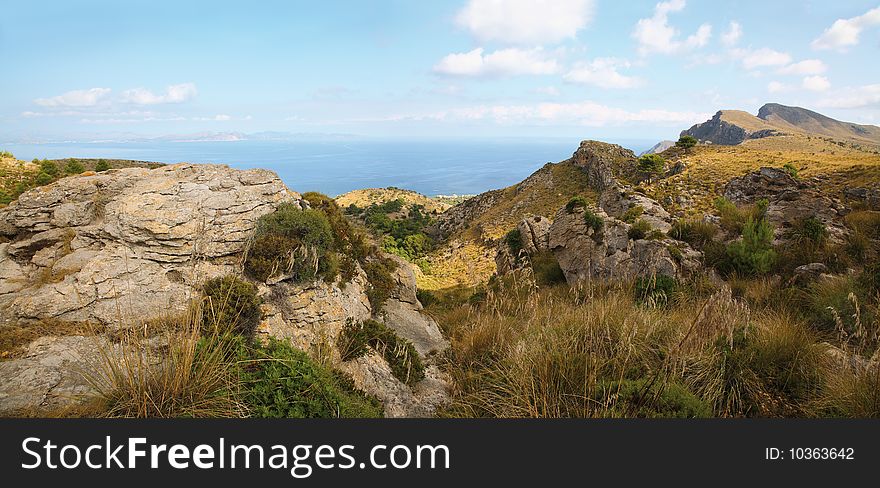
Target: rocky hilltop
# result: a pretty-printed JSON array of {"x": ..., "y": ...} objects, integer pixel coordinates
[
  {"x": 127, "y": 247},
  {"x": 731, "y": 127}
]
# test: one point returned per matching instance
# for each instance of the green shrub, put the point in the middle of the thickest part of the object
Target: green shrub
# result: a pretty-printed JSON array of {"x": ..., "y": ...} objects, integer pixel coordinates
[
  {"x": 686, "y": 142},
  {"x": 655, "y": 289},
  {"x": 356, "y": 338},
  {"x": 652, "y": 163},
  {"x": 733, "y": 218},
  {"x": 546, "y": 269},
  {"x": 5, "y": 198},
  {"x": 73, "y": 167},
  {"x": 102, "y": 165},
  {"x": 513, "y": 239},
  {"x": 809, "y": 230},
  {"x": 280, "y": 381},
  {"x": 43, "y": 179},
  {"x": 6, "y": 154},
  {"x": 294, "y": 241},
  {"x": 575, "y": 203},
  {"x": 230, "y": 305},
  {"x": 593, "y": 221},
  {"x": 643, "y": 398},
  {"x": 380, "y": 275},
  {"x": 49, "y": 167},
  {"x": 426, "y": 297},
  {"x": 791, "y": 170},
  {"x": 753, "y": 254},
  {"x": 639, "y": 230},
  {"x": 632, "y": 214}
]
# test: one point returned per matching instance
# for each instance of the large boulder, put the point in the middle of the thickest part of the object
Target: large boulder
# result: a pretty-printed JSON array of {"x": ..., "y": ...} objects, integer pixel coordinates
[
  {"x": 130, "y": 243},
  {"x": 604, "y": 163},
  {"x": 585, "y": 253},
  {"x": 790, "y": 200}
]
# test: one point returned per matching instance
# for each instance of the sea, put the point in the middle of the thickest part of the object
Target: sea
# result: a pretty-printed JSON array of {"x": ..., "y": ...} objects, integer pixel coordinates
[{"x": 334, "y": 167}]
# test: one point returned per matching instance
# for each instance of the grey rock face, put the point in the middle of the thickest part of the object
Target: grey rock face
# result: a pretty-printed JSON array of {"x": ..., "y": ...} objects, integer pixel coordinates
[
  {"x": 603, "y": 162},
  {"x": 718, "y": 131},
  {"x": 584, "y": 253},
  {"x": 789, "y": 201},
  {"x": 128, "y": 243}
]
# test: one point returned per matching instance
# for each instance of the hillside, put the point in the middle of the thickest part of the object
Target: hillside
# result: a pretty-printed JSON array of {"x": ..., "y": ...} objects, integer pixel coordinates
[
  {"x": 801, "y": 119},
  {"x": 731, "y": 127},
  {"x": 377, "y": 196}
]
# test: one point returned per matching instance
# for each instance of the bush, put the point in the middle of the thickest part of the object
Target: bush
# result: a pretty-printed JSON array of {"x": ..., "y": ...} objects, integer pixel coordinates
[
  {"x": 810, "y": 230},
  {"x": 697, "y": 233},
  {"x": 5, "y": 198},
  {"x": 293, "y": 241},
  {"x": 652, "y": 163},
  {"x": 546, "y": 269},
  {"x": 74, "y": 167},
  {"x": 655, "y": 290},
  {"x": 686, "y": 142},
  {"x": 43, "y": 179},
  {"x": 791, "y": 170},
  {"x": 513, "y": 239},
  {"x": 356, "y": 338},
  {"x": 644, "y": 399},
  {"x": 230, "y": 305},
  {"x": 49, "y": 167},
  {"x": 753, "y": 254},
  {"x": 639, "y": 230},
  {"x": 575, "y": 203},
  {"x": 733, "y": 218},
  {"x": 102, "y": 165},
  {"x": 632, "y": 214},
  {"x": 279, "y": 381},
  {"x": 426, "y": 297},
  {"x": 380, "y": 274},
  {"x": 593, "y": 221}
]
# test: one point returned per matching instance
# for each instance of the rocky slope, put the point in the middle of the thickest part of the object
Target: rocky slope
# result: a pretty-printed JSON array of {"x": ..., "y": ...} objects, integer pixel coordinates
[
  {"x": 120, "y": 248},
  {"x": 732, "y": 127}
]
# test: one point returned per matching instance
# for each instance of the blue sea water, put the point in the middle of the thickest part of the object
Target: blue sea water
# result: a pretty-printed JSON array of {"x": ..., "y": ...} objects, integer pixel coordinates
[{"x": 335, "y": 167}]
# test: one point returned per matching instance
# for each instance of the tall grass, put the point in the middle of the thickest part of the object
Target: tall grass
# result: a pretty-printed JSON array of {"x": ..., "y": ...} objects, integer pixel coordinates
[{"x": 179, "y": 373}]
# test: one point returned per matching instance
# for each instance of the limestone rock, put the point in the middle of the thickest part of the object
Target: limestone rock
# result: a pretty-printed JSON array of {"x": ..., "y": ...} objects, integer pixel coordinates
[
  {"x": 603, "y": 162},
  {"x": 128, "y": 243},
  {"x": 790, "y": 200},
  {"x": 610, "y": 254}
]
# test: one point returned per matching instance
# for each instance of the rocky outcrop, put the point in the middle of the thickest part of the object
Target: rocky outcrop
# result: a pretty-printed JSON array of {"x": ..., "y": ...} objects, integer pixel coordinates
[
  {"x": 618, "y": 200},
  {"x": 585, "y": 253},
  {"x": 717, "y": 130},
  {"x": 604, "y": 163},
  {"x": 534, "y": 232},
  {"x": 126, "y": 246},
  {"x": 790, "y": 200}
]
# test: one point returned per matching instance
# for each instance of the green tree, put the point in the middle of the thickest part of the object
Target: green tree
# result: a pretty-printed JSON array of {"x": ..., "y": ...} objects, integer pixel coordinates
[
  {"x": 102, "y": 165},
  {"x": 74, "y": 167},
  {"x": 686, "y": 142},
  {"x": 652, "y": 163},
  {"x": 43, "y": 178},
  {"x": 49, "y": 168}
]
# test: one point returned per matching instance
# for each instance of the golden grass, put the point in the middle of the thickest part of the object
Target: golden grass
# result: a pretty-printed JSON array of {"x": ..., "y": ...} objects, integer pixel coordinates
[
  {"x": 369, "y": 196},
  {"x": 14, "y": 338}
]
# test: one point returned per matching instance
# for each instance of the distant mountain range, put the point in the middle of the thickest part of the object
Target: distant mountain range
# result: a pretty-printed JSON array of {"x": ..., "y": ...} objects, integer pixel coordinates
[
  {"x": 730, "y": 127},
  {"x": 193, "y": 137}
]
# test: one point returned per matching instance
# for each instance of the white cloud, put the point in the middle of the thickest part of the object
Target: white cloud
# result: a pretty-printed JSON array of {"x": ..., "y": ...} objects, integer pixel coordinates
[
  {"x": 805, "y": 67},
  {"x": 858, "y": 97},
  {"x": 602, "y": 72},
  {"x": 75, "y": 98},
  {"x": 759, "y": 58},
  {"x": 525, "y": 22},
  {"x": 216, "y": 118},
  {"x": 504, "y": 62},
  {"x": 777, "y": 87},
  {"x": 655, "y": 35},
  {"x": 733, "y": 34},
  {"x": 844, "y": 33},
  {"x": 550, "y": 91},
  {"x": 816, "y": 83},
  {"x": 586, "y": 113},
  {"x": 173, "y": 94}
]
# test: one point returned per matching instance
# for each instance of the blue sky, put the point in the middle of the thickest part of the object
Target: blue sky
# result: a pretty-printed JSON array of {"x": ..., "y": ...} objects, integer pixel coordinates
[{"x": 464, "y": 68}]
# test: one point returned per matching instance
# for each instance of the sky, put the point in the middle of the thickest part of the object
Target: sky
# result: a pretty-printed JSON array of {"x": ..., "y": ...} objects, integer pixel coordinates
[{"x": 402, "y": 68}]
